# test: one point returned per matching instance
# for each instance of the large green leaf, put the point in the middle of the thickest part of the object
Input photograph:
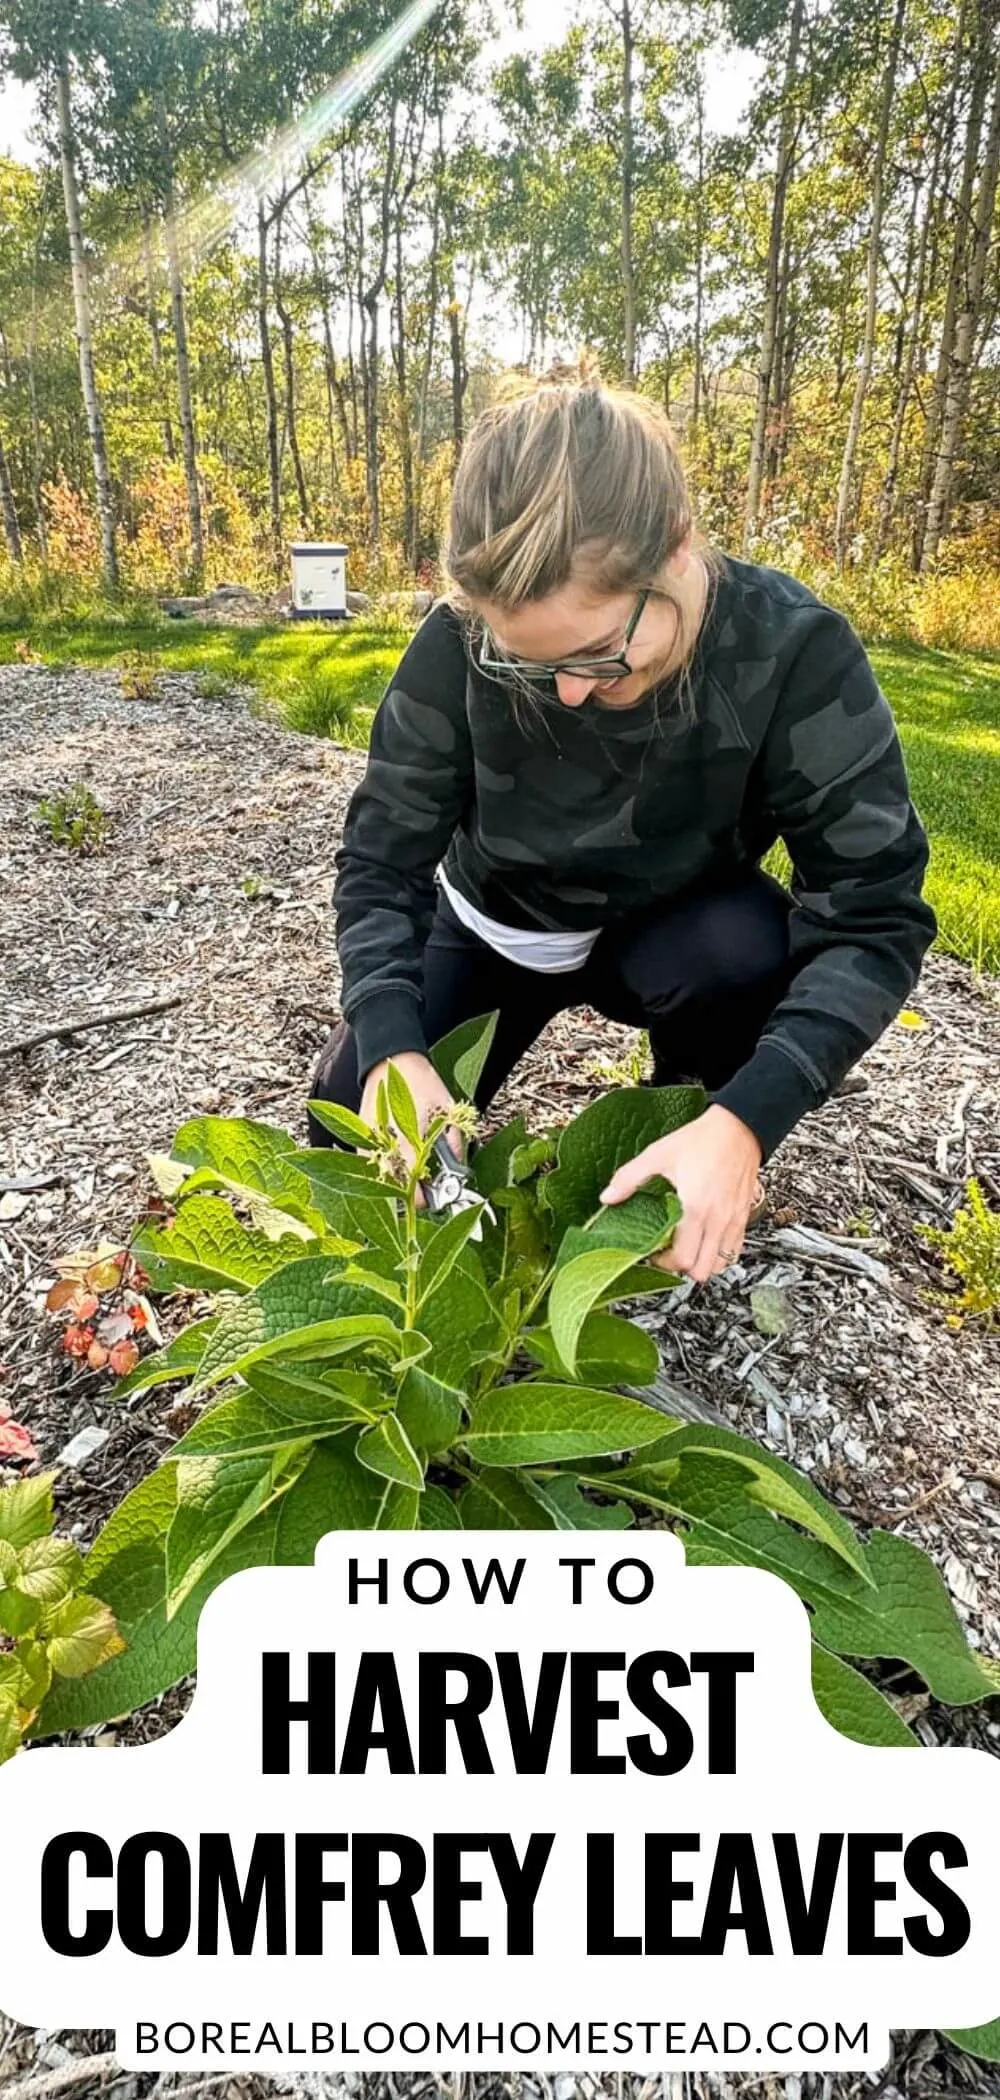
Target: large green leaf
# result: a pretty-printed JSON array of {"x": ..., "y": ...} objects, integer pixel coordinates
[
  {"x": 431, "y": 1413},
  {"x": 205, "y": 1248},
  {"x": 178, "y": 1359},
  {"x": 462, "y": 1325},
  {"x": 216, "y": 1498},
  {"x": 501, "y": 1501},
  {"x": 385, "y": 1448},
  {"x": 979, "y": 2041},
  {"x": 440, "y": 1255},
  {"x": 604, "y": 1135},
  {"x": 857, "y": 1708},
  {"x": 297, "y": 1312},
  {"x": 438, "y": 1512},
  {"x": 571, "y": 1510},
  {"x": 633, "y": 1229},
  {"x": 126, "y": 1566},
  {"x": 909, "y": 1615},
  {"x": 343, "y": 1123},
  {"x": 459, "y": 1057},
  {"x": 524, "y": 1425},
  {"x": 490, "y": 1161},
  {"x": 259, "y": 1420},
  {"x": 610, "y": 1351},
  {"x": 250, "y": 1159},
  {"x": 773, "y": 1483},
  {"x": 900, "y": 1608}
]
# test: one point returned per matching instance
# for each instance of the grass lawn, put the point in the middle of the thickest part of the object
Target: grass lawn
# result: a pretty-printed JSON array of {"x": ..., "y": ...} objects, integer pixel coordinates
[
  {"x": 323, "y": 678},
  {"x": 327, "y": 681}
]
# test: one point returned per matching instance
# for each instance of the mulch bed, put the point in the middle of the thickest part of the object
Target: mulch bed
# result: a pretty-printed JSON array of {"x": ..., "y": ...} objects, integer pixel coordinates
[{"x": 214, "y": 889}]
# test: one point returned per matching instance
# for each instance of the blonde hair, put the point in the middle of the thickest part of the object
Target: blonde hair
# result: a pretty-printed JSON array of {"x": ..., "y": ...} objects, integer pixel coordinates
[{"x": 567, "y": 478}]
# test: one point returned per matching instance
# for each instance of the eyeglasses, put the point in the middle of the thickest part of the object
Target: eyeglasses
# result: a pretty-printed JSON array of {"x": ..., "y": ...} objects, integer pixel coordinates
[{"x": 605, "y": 668}]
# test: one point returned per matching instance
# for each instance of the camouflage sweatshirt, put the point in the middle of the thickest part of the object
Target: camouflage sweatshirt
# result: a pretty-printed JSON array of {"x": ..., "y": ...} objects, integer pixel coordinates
[{"x": 572, "y": 818}]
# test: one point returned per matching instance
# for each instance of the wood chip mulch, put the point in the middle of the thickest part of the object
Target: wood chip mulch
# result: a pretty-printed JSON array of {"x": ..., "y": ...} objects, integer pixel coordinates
[{"x": 827, "y": 1340}]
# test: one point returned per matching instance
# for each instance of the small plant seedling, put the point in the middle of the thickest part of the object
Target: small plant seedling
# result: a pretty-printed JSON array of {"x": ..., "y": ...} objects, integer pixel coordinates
[
  {"x": 140, "y": 678},
  {"x": 970, "y": 1248},
  {"x": 99, "y": 1289},
  {"x": 49, "y": 1625},
  {"x": 75, "y": 819},
  {"x": 629, "y": 1070}
]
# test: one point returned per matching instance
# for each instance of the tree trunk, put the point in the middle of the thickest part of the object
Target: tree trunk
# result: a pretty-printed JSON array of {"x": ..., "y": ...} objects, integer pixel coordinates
[
  {"x": 783, "y": 171},
  {"x": 699, "y": 255},
  {"x": 179, "y": 320},
  {"x": 433, "y": 291},
  {"x": 864, "y": 372},
  {"x": 84, "y": 332},
  {"x": 291, "y": 420},
  {"x": 153, "y": 318},
  {"x": 887, "y": 499},
  {"x": 11, "y": 528},
  {"x": 402, "y": 389},
  {"x": 967, "y": 320},
  {"x": 628, "y": 195},
  {"x": 963, "y": 214},
  {"x": 270, "y": 395},
  {"x": 36, "y": 427}
]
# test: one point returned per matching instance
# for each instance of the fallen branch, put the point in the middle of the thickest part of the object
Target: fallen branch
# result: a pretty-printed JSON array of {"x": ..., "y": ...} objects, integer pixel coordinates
[
  {"x": 801, "y": 1240},
  {"x": 76, "y": 1026}
]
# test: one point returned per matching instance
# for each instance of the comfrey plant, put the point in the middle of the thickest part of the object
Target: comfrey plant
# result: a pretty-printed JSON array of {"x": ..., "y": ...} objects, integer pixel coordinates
[{"x": 367, "y": 1364}]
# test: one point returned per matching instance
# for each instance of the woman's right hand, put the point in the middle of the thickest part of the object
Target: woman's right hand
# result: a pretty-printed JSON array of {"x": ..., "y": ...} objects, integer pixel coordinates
[{"x": 429, "y": 1092}]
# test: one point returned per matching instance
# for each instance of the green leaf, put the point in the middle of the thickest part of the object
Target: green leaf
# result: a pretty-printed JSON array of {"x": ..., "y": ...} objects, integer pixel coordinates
[
  {"x": 343, "y": 1123},
  {"x": 524, "y": 1425},
  {"x": 438, "y": 1512},
  {"x": 490, "y": 1161},
  {"x": 909, "y": 1615},
  {"x": 205, "y": 1248},
  {"x": 899, "y": 1609},
  {"x": 501, "y": 1501},
  {"x": 251, "y": 1423},
  {"x": 772, "y": 1483},
  {"x": 26, "y": 1509},
  {"x": 440, "y": 1255},
  {"x": 604, "y": 1135},
  {"x": 10, "y": 1729},
  {"x": 177, "y": 1360},
  {"x": 385, "y": 1448},
  {"x": 583, "y": 1278},
  {"x": 36, "y": 1663},
  {"x": 297, "y": 1313},
  {"x": 857, "y": 1708},
  {"x": 402, "y": 1107},
  {"x": 610, "y": 1351},
  {"x": 80, "y": 1634},
  {"x": 49, "y": 1569},
  {"x": 126, "y": 1566},
  {"x": 461, "y": 1324},
  {"x": 634, "y": 1227},
  {"x": 216, "y": 1498},
  {"x": 983, "y": 2041},
  {"x": 639, "y": 1282},
  {"x": 562, "y": 1496},
  {"x": 459, "y": 1057},
  {"x": 431, "y": 1413},
  {"x": 241, "y": 1149}
]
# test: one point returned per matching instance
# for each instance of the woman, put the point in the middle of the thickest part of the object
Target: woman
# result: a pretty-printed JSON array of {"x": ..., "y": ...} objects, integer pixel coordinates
[{"x": 597, "y": 737}]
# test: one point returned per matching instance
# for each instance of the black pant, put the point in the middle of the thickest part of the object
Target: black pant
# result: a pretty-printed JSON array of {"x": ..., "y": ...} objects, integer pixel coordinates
[{"x": 702, "y": 975}]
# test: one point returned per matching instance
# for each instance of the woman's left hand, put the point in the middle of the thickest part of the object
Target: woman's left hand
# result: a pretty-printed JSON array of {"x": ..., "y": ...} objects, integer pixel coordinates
[{"x": 712, "y": 1163}]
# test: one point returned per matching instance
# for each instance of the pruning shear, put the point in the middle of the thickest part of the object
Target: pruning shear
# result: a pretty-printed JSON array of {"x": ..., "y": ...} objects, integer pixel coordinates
[{"x": 451, "y": 1188}]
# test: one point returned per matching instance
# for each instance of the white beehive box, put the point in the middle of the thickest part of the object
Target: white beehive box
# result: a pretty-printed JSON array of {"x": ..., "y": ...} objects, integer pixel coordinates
[{"x": 319, "y": 580}]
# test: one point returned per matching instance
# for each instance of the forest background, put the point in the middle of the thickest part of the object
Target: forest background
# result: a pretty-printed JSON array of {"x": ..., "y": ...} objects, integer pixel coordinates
[{"x": 207, "y": 348}]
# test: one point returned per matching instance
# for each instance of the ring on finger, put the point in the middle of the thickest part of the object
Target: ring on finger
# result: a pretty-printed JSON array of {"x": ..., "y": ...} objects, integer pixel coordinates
[{"x": 727, "y": 1254}]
